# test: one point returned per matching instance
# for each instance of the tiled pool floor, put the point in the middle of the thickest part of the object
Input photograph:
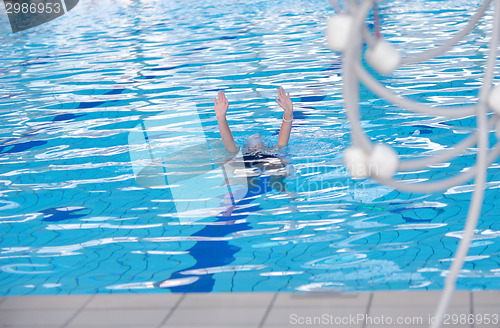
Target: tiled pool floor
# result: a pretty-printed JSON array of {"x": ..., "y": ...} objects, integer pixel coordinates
[{"x": 266, "y": 310}]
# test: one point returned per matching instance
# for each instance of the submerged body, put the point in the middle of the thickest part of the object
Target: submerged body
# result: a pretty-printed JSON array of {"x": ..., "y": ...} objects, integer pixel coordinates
[{"x": 260, "y": 160}]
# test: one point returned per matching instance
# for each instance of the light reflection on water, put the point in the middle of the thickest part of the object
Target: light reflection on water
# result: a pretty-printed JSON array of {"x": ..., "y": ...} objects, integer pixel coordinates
[{"x": 74, "y": 219}]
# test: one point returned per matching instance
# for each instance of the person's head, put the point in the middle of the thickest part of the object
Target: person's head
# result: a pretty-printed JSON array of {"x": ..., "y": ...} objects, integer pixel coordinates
[{"x": 254, "y": 143}]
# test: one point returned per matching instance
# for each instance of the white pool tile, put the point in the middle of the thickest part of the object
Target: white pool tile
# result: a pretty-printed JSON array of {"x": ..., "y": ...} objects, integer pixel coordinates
[
  {"x": 209, "y": 325},
  {"x": 282, "y": 326},
  {"x": 119, "y": 318},
  {"x": 60, "y": 302},
  {"x": 227, "y": 300},
  {"x": 333, "y": 300},
  {"x": 216, "y": 317},
  {"x": 136, "y": 301},
  {"x": 35, "y": 318},
  {"x": 236, "y": 309},
  {"x": 29, "y": 326},
  {"x": 486, "y": 316},
  {"x": 128, "y": 326},
  {"x": 410, "y": 316},
  {"x": 418, "y": 298},
  {"x": 313, "y": 317},
  {"x": 404, "y": 316},
  {"x": 486, "y": 298}
]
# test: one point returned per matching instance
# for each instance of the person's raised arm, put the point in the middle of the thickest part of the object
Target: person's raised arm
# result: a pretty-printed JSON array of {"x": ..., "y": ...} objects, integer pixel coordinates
[
  {"x": 286, "y": 125},
  {"x": 221, "y": 105}
]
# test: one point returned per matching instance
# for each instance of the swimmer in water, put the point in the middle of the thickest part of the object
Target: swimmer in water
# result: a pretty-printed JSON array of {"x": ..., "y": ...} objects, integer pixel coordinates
[
  {"x": 254, "y": 142},
  {"x": 257, "y": 156}
]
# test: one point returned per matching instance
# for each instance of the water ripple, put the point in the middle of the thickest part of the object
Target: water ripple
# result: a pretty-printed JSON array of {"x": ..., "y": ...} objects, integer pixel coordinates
[{"x": 70, "y": 102}]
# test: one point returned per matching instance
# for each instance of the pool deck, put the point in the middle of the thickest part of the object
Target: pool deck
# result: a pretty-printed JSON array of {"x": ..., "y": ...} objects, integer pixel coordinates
[{"x": 257, "y": 310}]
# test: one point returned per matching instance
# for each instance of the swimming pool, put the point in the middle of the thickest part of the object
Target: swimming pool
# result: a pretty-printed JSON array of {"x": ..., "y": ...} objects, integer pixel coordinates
[{"x": 74, "y": 218}]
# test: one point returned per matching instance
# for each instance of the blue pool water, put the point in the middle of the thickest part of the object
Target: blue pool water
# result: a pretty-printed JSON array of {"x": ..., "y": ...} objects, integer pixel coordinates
[{"x": 86, "y": 98}]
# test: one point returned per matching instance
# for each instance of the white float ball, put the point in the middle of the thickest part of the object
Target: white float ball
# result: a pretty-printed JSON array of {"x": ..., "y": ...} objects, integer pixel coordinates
[
  {"x": 383, "y": 57},
  {"x": 356, "y": 161},
  {"x": 337, "y": 31},
  {"x": 494, "y": 99},
  {"x": 383, "y": 162}
]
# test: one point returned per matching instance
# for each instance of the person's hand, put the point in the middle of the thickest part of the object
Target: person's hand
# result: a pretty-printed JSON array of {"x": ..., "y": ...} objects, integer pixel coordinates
[
  {"x": 285, "y": 103},
  {"x": 221, "y": 105}
]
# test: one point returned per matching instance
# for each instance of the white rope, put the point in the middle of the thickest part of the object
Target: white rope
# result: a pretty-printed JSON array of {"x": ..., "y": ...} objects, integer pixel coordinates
[
  {"x": 350, "y": 82},
  {"x": 434, "y": 52},
  {"x": 444, "y": 155},
  {"x": 444, "y": 184},
  {"x": 480, "y": 181},
  {"x": 353, "y": 73},
  {"x": 383, "y": 92},
  {"x": 336, "y": 6}
]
